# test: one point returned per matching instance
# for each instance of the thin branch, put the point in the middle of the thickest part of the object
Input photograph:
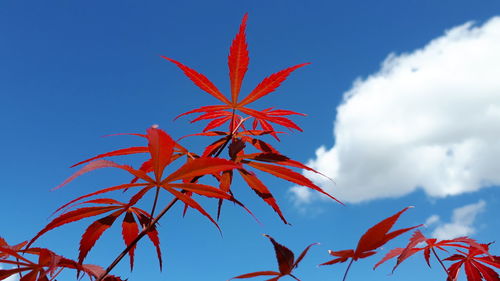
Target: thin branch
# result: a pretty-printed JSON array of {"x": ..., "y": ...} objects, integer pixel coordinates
[
  {"x": 155, "y": 201},
  {"x": 139, "y": 237},
  {"x": 440, "y": 261},
  {"x": 347, "y": 270}
]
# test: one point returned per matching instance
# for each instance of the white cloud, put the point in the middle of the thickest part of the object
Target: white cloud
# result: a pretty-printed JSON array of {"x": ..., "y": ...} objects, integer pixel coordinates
[
  {"x": 432, "y": 220},
  {"x": 429, "y": 119},
  {"x": 461, "y": 222}
]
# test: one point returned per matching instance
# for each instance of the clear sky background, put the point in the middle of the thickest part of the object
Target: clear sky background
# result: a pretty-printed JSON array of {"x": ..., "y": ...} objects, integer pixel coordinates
[{"x": 403, "y": 104}]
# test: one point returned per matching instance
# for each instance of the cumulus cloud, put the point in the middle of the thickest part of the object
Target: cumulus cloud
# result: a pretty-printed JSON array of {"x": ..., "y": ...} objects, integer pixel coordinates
[
  {"x": 429, "y": 120},
  {"x": 461, "y": 223}
]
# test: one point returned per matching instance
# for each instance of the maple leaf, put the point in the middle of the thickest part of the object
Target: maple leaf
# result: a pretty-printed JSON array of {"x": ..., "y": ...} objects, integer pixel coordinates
[
  {"x": 286, "y": 262},
  {"x": 430, "y": 245},
  {"x": 94, "y": 231},
  {"x": 48, "y": 264},
  {"x": 274, "y": 163},
  {"x": 474, "y": 263},
  {"x": 374, "y": 238},
  {"x": 161, "y": 148},
  {"x": 238, "y": 62}
]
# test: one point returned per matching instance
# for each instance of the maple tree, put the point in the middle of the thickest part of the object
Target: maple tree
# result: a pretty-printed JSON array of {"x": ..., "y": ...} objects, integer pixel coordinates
[{"x": 172, "y": 170}]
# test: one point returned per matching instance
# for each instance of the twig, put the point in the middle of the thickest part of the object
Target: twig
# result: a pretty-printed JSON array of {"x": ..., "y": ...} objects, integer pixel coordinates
[{"x": 347, "y": 270}]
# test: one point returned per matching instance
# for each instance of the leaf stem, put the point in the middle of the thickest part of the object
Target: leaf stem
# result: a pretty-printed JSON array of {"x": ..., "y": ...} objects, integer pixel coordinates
[
  {"x": 440, "y": 261},
  {"x": 229, "y": 137},
  {"x": 347, "y": 270},
  {"x": 155, "y": 201}
]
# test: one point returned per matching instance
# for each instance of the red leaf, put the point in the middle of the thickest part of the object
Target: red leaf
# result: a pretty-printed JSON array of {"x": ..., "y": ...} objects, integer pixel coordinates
[
  {"x": 262, "y": 191},
  {"x": 201, "y": 189},
  {"x": 161, "y": 147},
  {"x": 377, "y": 235},
  {"x": 418, "y": 237},
  {"x": 193, "y": 204},
  {"x": 374, "y": 238},
  {"x": 212, "y": 149},
  {"x": 119, "y": 152},
  {"x": 6, "y": 273},
  {"x": 212, "y": 115},
  {"x": 201, "y": 81},
  {"x": 343, "y": 256},
  {"x": 269, "y": 84},
  {"x": 98, "y": 164},
  {"x": 216, "y": 123},
  {"x": 72, "y": 216},
  {"x": 238, "y": 60},
  {"x": 93, "y": 232},
  {"x": 474, "y": 270},
  {"x": 6, "y": 252},
  {"x": 392, "y": 254},
  {"x": 201, "y": 166},
  {"x": 255, "y": 274},
  {"x": 152, "y": 235},
  {"x": 129, "y": 233},
  {"x": 286, "y": 262},
  {"x": 263, "y": 117},
  {"x": 207, "y": 109},
  {"x": 289, "y": 175},
  {"x": 284, "y": 256},
  {"x": 303, "y": 254},
  {"x": 488, "y": 273},
  {"x": 102, "y": 191}
]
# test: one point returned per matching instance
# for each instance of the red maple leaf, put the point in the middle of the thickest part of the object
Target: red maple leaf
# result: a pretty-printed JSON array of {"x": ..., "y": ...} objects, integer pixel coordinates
[
  {"x": 474, "y": 263},
  {"x": 47, "y": 265},
  {"x": 161, "y": 149},
  {"x": 238, "y": 61},
  {"x": 286, "y": 262},
  {"x": 430, "y": 245},
  {"x": 374, "y": 238}
]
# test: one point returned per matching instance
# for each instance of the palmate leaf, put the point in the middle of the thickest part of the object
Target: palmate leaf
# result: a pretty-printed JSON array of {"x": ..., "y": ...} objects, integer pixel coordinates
[
  {"x": 374, "y": 238},
  {"x": 474, "y": 264},
  {"x": 161, "y": 148},
  {"x": 237, "y": 154},
  {"x": 238, "y": 62},
  {"x": 47, "y": 265},
  {"x": 430, "y": 244},
  {"x": 193, "y": 168},
  {"x": 98, "y": 227},
  {"x": 268, "y": 155},
  {"x": 286, "y": 262}
]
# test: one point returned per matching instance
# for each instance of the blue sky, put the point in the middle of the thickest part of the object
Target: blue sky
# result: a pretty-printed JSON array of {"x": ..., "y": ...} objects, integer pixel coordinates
[{"x": 400, "y": 112}]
